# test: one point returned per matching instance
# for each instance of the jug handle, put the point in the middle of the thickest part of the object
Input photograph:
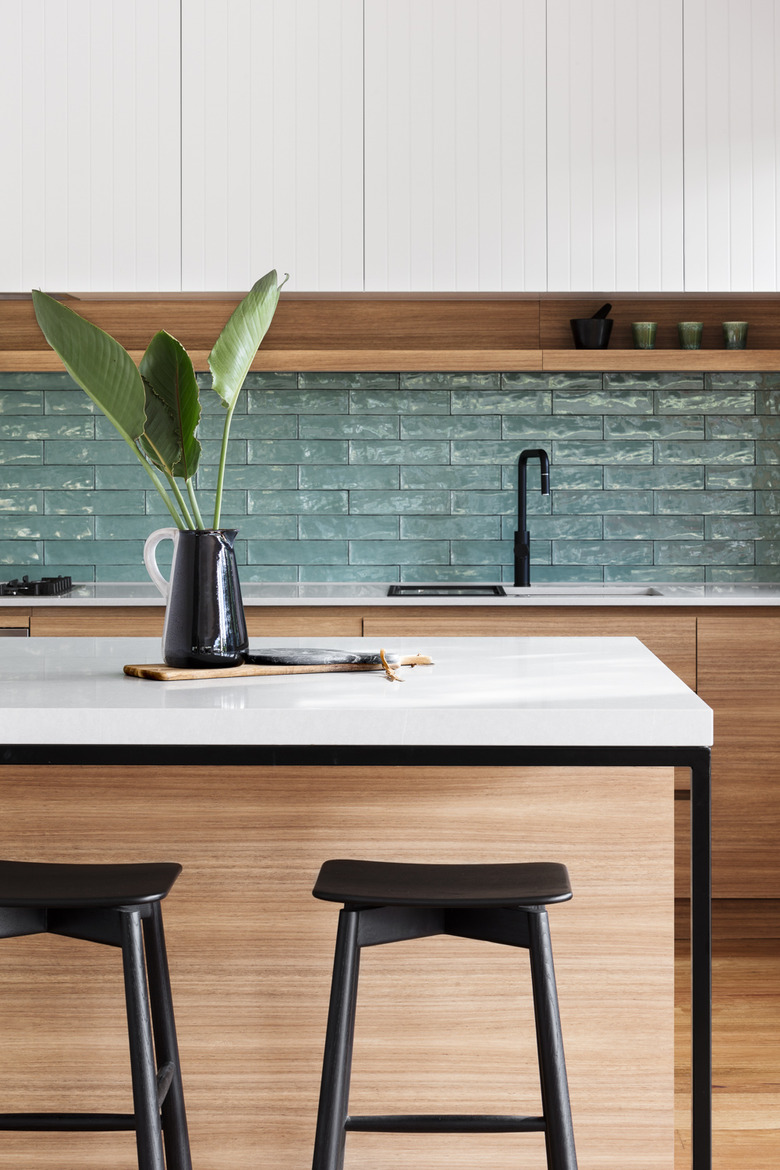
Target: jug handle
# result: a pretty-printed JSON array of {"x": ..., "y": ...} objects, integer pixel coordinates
[{"x": 150, "y": 560}]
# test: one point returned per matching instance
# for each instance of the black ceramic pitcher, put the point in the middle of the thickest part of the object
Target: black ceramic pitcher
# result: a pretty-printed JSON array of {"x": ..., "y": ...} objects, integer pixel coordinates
[{"x": 204, "y": 614}]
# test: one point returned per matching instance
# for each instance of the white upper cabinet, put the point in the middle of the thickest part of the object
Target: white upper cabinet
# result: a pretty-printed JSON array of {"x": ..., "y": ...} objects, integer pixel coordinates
[
  {"x": 454, "y": 144},
  {"x": 732, "y": 145},
  {"x": 272, "y": 142},
  {"x": 614, "y": 145},
  {"x": 89, "y": 125}
]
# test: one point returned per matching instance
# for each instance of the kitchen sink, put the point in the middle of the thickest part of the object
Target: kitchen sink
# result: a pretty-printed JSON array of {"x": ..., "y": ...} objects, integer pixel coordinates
[{"x": 552, "y": 590}]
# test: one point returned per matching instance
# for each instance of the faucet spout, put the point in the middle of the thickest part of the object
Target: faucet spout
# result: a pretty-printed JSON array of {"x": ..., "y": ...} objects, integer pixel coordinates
[{"x": 522, "y": 535}]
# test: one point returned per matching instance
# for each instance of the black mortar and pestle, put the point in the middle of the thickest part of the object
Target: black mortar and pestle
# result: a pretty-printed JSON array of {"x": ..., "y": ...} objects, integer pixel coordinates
[{"x": 592, "y": 332}]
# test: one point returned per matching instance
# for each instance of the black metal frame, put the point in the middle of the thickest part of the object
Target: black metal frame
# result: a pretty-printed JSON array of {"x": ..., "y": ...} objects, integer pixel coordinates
[{"x": 696, "y": 758}]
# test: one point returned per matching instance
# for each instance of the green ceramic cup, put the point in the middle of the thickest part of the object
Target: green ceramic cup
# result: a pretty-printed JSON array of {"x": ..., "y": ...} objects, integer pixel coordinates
[
  {"x": 689, "y": 333},
  {"x": 643, "y": 333},
  {"x": 735, "y": 334}
]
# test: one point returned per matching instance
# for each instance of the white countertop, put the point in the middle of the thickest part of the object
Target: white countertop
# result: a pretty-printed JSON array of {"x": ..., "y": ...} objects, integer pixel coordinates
[
  {"x": 142, "y": 594},
  {"x": 496, "y": 691}
]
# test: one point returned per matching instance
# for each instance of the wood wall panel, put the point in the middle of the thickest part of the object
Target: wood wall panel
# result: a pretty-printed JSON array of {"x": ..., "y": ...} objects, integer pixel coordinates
[{"x": 251, "y": 953}]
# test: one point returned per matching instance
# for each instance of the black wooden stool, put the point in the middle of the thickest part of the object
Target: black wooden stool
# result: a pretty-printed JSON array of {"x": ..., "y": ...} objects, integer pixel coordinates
[
  {"x": 387, "y": 902},
  {"x": 107, "y": 904}
]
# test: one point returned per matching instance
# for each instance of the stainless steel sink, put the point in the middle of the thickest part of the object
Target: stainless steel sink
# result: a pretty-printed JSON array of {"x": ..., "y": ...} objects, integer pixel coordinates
[{"x": 582, "y": 591}]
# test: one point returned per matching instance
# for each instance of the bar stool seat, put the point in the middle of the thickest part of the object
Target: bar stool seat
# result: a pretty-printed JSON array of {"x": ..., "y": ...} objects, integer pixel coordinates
[
  {"x": 386, "y": 902},
  {"x": 114, "y": 905}
]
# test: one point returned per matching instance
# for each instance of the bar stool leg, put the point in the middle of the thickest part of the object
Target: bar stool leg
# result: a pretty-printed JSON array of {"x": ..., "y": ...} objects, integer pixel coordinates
[
  {"x": 559, "y": 1132},
  {"x": 148, "y": 1135},
  {"x": 330, "y": 1138},
  {"x": 175, "y": 1135}
]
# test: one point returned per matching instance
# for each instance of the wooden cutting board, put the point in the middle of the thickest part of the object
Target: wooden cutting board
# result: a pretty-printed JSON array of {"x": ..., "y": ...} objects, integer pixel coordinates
[{"x": 162, "y": 673}]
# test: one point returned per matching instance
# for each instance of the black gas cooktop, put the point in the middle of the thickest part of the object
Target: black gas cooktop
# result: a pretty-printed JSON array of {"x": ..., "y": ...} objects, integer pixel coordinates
[{"x": 45, "y": 587}]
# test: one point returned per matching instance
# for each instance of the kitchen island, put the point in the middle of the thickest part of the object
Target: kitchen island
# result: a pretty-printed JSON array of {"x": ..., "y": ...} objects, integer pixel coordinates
[{"x": 504, "y": 749}]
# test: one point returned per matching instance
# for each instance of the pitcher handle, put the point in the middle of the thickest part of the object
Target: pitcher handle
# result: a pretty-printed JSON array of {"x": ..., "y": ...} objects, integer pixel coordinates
[{"x": 150, "y": 560}]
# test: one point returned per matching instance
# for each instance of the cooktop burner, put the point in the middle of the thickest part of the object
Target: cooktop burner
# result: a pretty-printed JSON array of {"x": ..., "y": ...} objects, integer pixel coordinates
[{"x": 46, "y": 587}]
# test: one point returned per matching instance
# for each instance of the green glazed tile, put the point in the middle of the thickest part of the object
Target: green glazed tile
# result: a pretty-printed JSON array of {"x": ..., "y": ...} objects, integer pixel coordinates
[
  {"x": 399, "y": 552},
  {"x": 298, "y": 502},
  {"x": 601, "y": 503},
  {"x": 355, "y": 574},
  {"x": 78, "y": 573},
  {"x": 501, "y": 402},
  {"x": 491, "y": 554},
  {"x": 297, "y": 402},
  {"x": 66, "y": 402},
  {"x": 261, "y": 527},
  {"x": 236, "y": 451},
  {"x": 755, "y": 574},
  {"x": 768, "y": 401},
  {"x": 298, "y": 451},
  {"x": 689, "y": 426},
  {"x": 21, "y": 553},
  {"x": 401, "y": 452},
  {"x": 402, "y": 402},
  {"x": 732, "y": 478},
  {"x": 600, "y": 401},
  {"x": 704, "y": 503},
  {"x": 21, "y": 502},
  {"x": 768, "y": 552},
  {"x": 282, "y": 477},
  {"x": 399, "y": 503},
  {"x": 768, "y": 503},
  {"x": 767, "y": 452},
  {"x": 233, "y": 502},
  {"x": 563, "y": 575},
  {"x": 487, "y": 451},
  {"x": 738, "y": 379},
  {"x": 611, "y": 451},
  {"x": 653, "y": 527},
  {"x": 478, "y": 503},
  {"x": 534, "y": 428},
  {"x": 556, "y": 527},
  {"x": 703, "y": 552},
  {"x": 99, "y": 552},
  {"x": 450, "y": 528},
  {"x": 653, "y": 380},
  {"x": 602, "y": 552},
  {"x": 680, "y": 477},
  {"x": 51, "y": 380},
  {"x": 16, "y": 452},
  {"x": 348, "y": 527},
  {"x": 62, "y": 451},
  {"x": 452, "y": 573},
  {"x": 743, "y": 528},
  {"x": 269, "y": 574},
  {"x": 650, "y": 574},
  {"x": 349, "y": 426},
  {"x": 750, "y": 426},
  {"x": 348, "y": 381},
  {"x": 273, "y": 426},
  {"x": 706, "y": 402},
  {"x": 436, "y": 381},
  {"x": 23, "y": 402},
  {"x": 348, "y": 478},
  {"x": 113, "y": 573},
  {"x": 707, "y": 451},
  {"x": 47, "y": 427},
  {"x": 111, "y": 478},
  {"x": 570, "y": 380},
  {"x": 295, "y": 552},
  {"x": 92, "y": 503},
  {"x": 117, "y": 529},
  {"x": 450, "y": 478},
  {"x": 45, "y": 527},
  {"x": 267, "y": 379},
  {"x": 562, "y": 477},
  {"x": 477, "y": 426}
]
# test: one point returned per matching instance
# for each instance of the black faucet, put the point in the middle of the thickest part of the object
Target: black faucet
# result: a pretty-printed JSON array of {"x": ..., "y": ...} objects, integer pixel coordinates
[{"x": 523, "y": 536}]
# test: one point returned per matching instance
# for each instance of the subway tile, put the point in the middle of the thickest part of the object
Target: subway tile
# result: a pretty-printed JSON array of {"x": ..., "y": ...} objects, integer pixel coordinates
[
  {"x": 767, "y": 452},
  {"x": 211, "y": 451},
  {"x": 768, "y": 503},
  {"x": 704, "y": 503},
  {"x": 703, "y": 552},
  {"x": 672, "y": 476},
  {"x": 348, "y": 478},
  {"x": 348, "y": 381},
  {"x": 751, "y": 574},
  {"x": 557, "y": 527},
  {"x": 601, "y": 503},
  {"x": 98, "y": 552},
  {"x": 705, "y": 402},
  {"x": 295, "y": 552},
  {"x": 653, "y": 380},
  {"x": 492, "y": 554},
  {"x": 436, "y": 381},
  {"x": 63, "y": 452},
  {"x": 476, "y": 426},
  {"x": 401, "y": 452},
  {"x": 296, "y": 401},
  {"x": 562, "y": 575},
  {"x": 21, "y": 502},
  {"x": 20, "y": 554},
  {"x": 348, "y": 527},
  {"x": 233, "y": 502},
  {"x": 602, "y": 552},
  {"x": 270, "y": 574},
  {"x": 104, "y": 574},
  {"x": 451, "y": 574},
  {"x": 768, "y": 401},
  {"x": 298, "y": 451},
  {"x": 15, "y": 452},
  {"x": 39, "y": 527},
  {"x": 688, "y": 426},
  {"x": 600, "y": 401},
  {"x": 245, "y": 426},
  {"x": 571, "y": 379},
  {"x": 654, "y": 527},
  {"x": 479, "y": 503},
  {"x": 744, "y": 426},
  {"x": 401, "y": 402},
  {"x": 501, "y": 402},
  {"x": 450, "y": 527},
  {"x": 20, "y": 402},
  {"x": 43, "y": 380},
  {"x": 269, "y": 379},
  {"x": 651, "y": 574},
  {"x": 353, "y": 574},
  {"x": 298, "y": 502},
  {"x": 756, "y": 528},
  {"x": 706, "y": 451},
  {"x": 449, "y": 477},
  {"x": 349, "y": 426},
  {"x": 733, "y": 478},
  {"x": 52, "y": 567},
  {"x": 768, "y": 552},
  {"x": 488, "y": 451},
  {"x": 73, "y": 401},
  {"x": 401, "y": 503},
  {"x": 563, "y": 477},
  {"x": 746, "y": 379},
  {"x": 540, "y": 428},
  {"x": 611, "y": 451},
  {"x": 399, "y": 552},
  {"x": 47, "y": 427},
  {"x": 273, "y": 476},
  {"x": 91, "y": 503}
]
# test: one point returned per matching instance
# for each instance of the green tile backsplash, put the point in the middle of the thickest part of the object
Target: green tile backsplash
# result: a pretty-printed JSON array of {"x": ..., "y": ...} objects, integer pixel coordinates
[{"x": 404, "y": 477}]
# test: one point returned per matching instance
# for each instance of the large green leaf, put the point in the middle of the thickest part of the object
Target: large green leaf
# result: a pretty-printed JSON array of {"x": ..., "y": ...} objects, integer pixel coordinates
[
  {"x": 172, "y": 407},
  {"x": 237, "y": 344},
  {"x": 97, "y": 362}
]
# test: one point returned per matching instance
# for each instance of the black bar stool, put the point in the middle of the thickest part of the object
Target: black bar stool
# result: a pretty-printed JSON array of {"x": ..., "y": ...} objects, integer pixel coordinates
[
  {"x": 389, "y": 901},
  {"x": 117, "y": 905}
]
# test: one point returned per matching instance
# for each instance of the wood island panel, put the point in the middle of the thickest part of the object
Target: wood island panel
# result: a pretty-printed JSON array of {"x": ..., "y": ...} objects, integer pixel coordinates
[
  {"x": 14, "y": 618},
  {"x": 251, "y": 952}
]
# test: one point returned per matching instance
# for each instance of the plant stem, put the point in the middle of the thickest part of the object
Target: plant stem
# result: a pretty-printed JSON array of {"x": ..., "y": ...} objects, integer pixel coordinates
[
  {"x": 156, "y": 481},
  {"x": 222, "y": 462},
  {"x": 189, "y": 522},
  {"x": 194, "y": 502}
]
